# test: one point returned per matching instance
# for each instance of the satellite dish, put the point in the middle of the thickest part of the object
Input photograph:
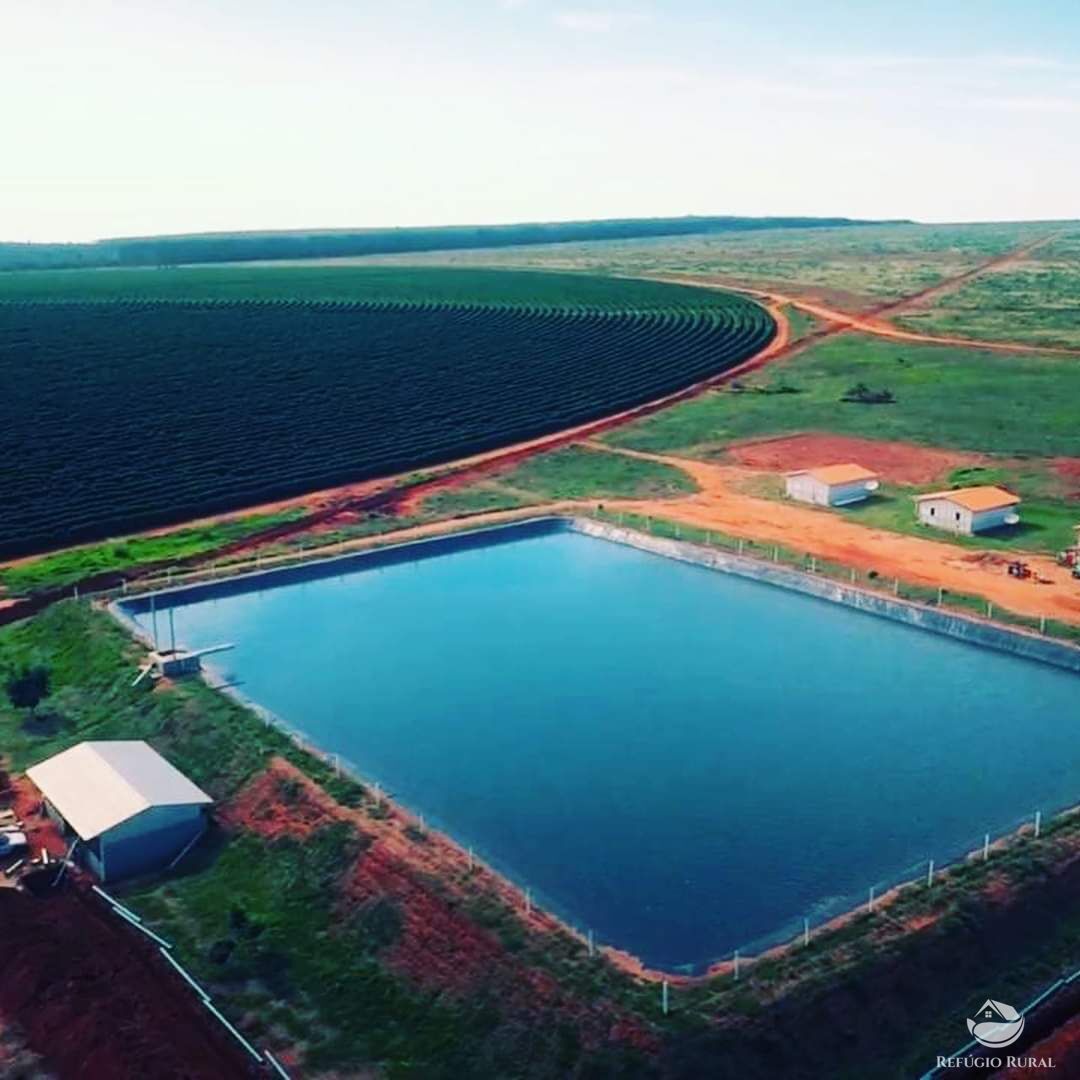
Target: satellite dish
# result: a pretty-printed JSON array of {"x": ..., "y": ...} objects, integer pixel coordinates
[
  {"x": 873, "y": 485},
  {"x": 1012, "y": 519}
]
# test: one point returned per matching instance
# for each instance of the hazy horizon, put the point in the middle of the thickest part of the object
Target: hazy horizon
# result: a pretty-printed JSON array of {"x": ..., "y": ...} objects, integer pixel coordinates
[
  {"x": 165, "y": 118},
  {"x": 317, "y": 229}
]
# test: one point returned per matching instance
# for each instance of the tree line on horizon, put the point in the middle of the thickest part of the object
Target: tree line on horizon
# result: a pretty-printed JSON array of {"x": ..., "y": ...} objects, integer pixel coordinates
[{"x": 321, "y": 244}]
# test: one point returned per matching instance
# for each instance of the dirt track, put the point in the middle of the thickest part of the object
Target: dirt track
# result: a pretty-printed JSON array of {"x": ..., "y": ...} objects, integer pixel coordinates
[
  {"x": 943, "y": 288},
  {"x": 872, "y": 321},
  {"x": 828, "y": 535}
]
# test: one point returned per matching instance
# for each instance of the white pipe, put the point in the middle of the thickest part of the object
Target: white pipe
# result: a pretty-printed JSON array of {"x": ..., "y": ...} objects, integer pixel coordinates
[
  {"x": 236, "y": 1034},
  {"x": 187, "y": 978}
]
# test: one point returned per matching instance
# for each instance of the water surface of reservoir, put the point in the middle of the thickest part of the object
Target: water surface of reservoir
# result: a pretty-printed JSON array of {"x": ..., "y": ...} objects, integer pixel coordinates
[{"x": 680, "y": 759}]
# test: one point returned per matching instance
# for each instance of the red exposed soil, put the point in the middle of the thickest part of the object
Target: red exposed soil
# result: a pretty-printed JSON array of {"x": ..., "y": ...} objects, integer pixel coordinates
[
  {"x": 902, "y": 463},
  {"x": 80, "y": 988},
  {"x": 1063, "y": 1046},
  {"x": 273, "y": 805},
  {"x": 95, "y": 1002},
  {"x": 1068, "y": 468},
  {"x": 440, "y": 946}
]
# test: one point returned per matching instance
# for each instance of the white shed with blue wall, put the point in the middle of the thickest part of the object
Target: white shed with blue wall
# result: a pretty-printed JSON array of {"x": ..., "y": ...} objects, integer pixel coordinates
[
  {"x": 969, "y": 510},
  {"x": 132, "y": 811},
  {"x": 832, "y": 485}
]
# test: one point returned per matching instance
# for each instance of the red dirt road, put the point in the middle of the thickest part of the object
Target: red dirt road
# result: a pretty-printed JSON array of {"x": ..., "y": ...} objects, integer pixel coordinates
[
  {"x": 872, "y": 321},
  {"x": 943, "y": 288}
]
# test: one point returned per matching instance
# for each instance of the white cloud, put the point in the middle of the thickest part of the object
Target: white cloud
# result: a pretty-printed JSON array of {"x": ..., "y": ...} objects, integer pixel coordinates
[{"x": 599, "y": 22}]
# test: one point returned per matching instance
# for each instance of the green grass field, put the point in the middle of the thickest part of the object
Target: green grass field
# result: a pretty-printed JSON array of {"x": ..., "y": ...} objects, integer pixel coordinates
[
  {"x": 1035, "y": 301},
  {"x": 66, "y": 567},
  {"x": 871, "y": 264},
  {"x": 582, "y": 473},
  {"x": 576, "y": 472},
  {"x": 1021, "y": 404}
]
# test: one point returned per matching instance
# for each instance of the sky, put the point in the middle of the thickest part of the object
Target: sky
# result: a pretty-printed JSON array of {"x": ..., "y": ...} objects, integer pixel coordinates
[{"x": 136, "y": 117}]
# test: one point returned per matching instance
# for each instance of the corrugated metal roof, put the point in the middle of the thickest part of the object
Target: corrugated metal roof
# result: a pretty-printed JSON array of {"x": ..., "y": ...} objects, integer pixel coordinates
[
  {"x": 837, "y": 474},
  {"x": 98, "y": 785},
  {"x": 985, "y": 497}
]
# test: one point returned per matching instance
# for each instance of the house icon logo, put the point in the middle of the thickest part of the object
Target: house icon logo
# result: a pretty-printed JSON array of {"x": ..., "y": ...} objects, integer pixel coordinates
[{"x": 996, "y": 1025}]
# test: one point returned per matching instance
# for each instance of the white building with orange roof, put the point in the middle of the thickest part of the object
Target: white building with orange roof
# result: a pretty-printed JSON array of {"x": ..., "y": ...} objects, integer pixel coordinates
[
  {"x": 969, "y": 510},
  {"x": 831, "y": 485}
]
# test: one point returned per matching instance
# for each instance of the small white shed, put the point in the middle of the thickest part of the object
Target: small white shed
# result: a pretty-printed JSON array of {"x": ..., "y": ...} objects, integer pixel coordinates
[
  {"x": 132, "y": 810},
  {"x": 831, "y": 485},
  {"x": 968, "y": 510}
]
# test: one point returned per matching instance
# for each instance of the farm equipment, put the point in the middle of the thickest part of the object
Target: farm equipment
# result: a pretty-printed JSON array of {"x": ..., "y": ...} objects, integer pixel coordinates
[{"x": 1019, "y": 569}]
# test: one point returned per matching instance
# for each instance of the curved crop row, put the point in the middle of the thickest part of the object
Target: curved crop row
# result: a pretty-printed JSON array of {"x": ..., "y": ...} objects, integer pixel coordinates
[{"x": 120, "y": 416}]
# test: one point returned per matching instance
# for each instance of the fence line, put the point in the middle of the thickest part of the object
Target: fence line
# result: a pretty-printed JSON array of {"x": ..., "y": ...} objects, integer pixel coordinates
[
  {"x": 934, "y": 596},
  {"x": 135, "y": 920},
  {"x": 803, "y": 926}
]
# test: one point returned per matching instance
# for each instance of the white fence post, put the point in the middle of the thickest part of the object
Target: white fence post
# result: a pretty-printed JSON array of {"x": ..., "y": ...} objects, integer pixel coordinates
[
  {"x": 930, "y": 874},
  {"x": 664, "y": 997},
  {"x": 870, "y": 902},
  {"x": 1038, "y": 823},
  {"x": 986, "y": 847}
]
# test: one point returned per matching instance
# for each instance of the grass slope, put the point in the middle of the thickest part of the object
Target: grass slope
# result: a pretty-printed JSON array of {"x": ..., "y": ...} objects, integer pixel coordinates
[{"x": 66, "y": 567}]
